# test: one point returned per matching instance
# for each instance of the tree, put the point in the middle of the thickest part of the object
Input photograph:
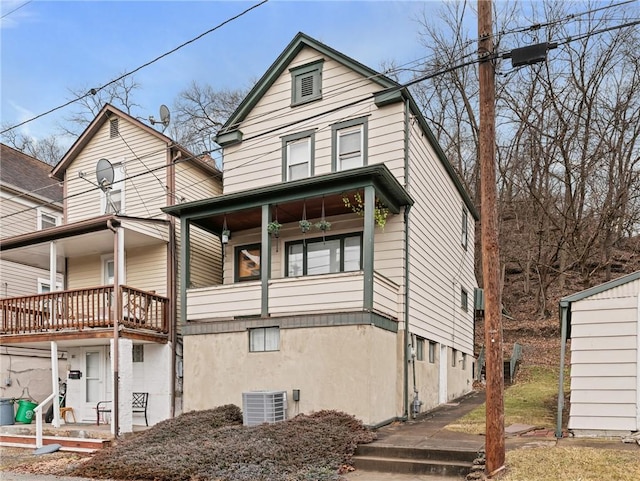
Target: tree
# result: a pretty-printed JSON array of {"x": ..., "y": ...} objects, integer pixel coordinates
[{"x": 47, "y": 149}]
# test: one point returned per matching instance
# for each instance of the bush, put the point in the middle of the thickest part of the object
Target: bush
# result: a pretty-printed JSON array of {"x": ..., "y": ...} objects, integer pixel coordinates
[{"x": 213, "y": 445}]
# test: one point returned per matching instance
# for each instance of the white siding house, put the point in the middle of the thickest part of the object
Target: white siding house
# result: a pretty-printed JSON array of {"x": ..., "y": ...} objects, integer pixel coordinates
[
  {"x": 603, "y": 323},
  {"x": 340, "y": 318}
]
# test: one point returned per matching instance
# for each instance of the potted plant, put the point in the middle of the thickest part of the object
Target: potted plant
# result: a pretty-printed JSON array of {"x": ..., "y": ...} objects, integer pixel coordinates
[
  {"x": 380, "y": 212},
  {"x": 273, "y": 228},
  {"x": 305, "y": 226},
  {"x": 323, "y": 225}
]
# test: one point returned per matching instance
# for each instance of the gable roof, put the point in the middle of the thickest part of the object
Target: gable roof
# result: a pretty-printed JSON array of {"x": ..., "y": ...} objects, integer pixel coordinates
[
  {"x": 103, "y": 116},
  {"x": 578, "y": 296},
  {"x": 25, "y": 174},
  {"x": 391, "y": 91}
]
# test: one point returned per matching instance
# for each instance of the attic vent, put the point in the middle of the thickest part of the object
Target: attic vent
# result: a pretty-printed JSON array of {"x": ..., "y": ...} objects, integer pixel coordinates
[
  {"x": 306, "y": 86},
  {"x": 113, "y": 128},
  {"x": 260, "y": 407}
]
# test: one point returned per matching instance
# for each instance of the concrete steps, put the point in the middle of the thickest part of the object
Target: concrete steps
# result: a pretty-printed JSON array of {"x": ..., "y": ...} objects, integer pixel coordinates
[
  {"x": 78, "y": 445},
  {"x": 454, "y": 463}
]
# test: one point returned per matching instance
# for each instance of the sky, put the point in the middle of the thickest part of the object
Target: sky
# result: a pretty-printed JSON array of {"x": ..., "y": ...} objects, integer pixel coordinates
[{"x": 50, "y": 47}]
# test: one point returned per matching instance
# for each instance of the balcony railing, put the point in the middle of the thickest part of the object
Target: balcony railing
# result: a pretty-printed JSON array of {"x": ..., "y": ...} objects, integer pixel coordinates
[
  {"x": 318, "y": 294},
  {"x": 80, "y": 309}
]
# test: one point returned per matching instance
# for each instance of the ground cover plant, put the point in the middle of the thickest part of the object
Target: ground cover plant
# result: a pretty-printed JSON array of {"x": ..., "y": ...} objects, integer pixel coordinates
[{"x": 213, "y": 445}]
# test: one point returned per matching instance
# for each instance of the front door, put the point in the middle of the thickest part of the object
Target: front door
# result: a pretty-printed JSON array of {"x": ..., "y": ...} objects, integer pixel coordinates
[{"x": 96, "y": 381}]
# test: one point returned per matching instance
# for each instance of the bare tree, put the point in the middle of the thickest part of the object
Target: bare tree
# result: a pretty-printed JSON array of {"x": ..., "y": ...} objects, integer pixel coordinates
[{"x": 47, "y": 149}]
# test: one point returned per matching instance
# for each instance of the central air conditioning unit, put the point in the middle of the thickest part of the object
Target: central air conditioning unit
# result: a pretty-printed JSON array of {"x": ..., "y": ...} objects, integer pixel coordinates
[{"x": 260, "y": 407}]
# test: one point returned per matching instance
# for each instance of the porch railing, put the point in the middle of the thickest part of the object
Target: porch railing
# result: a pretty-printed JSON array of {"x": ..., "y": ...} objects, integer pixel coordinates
[{"x": 79, "y": 309}]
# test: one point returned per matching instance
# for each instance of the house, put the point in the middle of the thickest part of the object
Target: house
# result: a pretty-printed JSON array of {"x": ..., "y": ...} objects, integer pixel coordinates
[
  {"x": 29, "y": 201},
  {"x": 603, "y": 323},
  {"x": 348, "y": 251},
  {"x": 113, "y": 317}
]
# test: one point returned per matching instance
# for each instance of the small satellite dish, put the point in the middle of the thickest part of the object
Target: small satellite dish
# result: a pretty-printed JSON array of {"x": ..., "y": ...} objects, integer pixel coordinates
[
  {"x": 165, "y": 117},
  {"x": 104, "y": 174}
]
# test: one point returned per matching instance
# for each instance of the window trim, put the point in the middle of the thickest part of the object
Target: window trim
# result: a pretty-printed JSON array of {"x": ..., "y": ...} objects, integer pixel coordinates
[
  {"x": 286, "y": 140},
  {"x": 464, "y": 299},
  {"x": 45, "y": 282},
  {"x": 255, "y": 329},
  {"x": 314, "y": 69},
  {"x": 306, "y": 242},
  {"x": 420, "y": 341},
  {"x": 236, "y": 270},
  {"x": 363, "y": 122},
  {"x": 464, "y": 236},
  {"x": 40, "y": 212}
]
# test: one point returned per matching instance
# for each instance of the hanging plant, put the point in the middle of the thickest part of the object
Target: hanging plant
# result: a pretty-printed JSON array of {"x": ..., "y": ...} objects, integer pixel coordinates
[
  {"x": 323, "y": 225},
  {"x": 380, "y": 212},
  {"x": 225, "y": 236},
  {"x": 273, "y": 228},
  {"x": 305, "y": 226}
]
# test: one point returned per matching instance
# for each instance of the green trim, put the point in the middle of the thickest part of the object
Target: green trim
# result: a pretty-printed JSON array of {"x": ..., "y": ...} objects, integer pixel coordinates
[
  {"x": 265, "y": 267},
  {"x": 387, "y": 97},
  {"x": 185, "y": 272},
  {"x": 314, "y": 69},
  {"x": 305, "y": 243},
  {"x": 311, "y": 135},
  {"x": 229, "y": 138},
  {"x": 299, "y": 42},
  {"x": 236, "y": 270},
  {"x": 465, "y": 228},
  {"x": 335, "y": 128},
  {"x": 389, "y": 191},
  {"x": 291, "y": 322},
  {"x": 368, "y": 245}
]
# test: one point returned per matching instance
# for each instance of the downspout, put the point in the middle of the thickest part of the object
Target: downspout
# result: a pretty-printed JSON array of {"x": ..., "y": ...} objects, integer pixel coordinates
[
  {"x": 171, "y": 276},
  {"x": 564, "y": 307},
  {"x": 116, "y": 333},
  {"x": 407, "y": 334}
]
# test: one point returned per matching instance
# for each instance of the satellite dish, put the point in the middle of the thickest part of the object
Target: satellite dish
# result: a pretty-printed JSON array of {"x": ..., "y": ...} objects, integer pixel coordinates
[
  {"x": 165, "y": 117},
  {"x": 104, "y": 174}
]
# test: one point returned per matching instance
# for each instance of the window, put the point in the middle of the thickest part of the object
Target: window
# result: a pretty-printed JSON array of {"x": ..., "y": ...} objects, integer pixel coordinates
[
  {"x": 419, "y": 349},
  {"x": 318, "y": 256},
  {"x": 113, "y": 203},
  {"x": 44, "y": 286},
  {"x": 108, "y": 270},
  {"x": 47, "y": 219},
  {"x": 114, "y": 130},
  {"x": 349, "y": 144},
  {"x": 138, "y": 353},
  {"x": 264, "y": 339},
  {"x": 298, "y": 155},
  {"x": 432, "y": 352},
  {"x": 464, "y": 361},
  {"x": 464, "y": 299},
  {"x": 247, "y": 262},
  {"x": 454, "y": 353},
  {"x": 465, "y": 228},
  {"x": 306, "y": 83}
]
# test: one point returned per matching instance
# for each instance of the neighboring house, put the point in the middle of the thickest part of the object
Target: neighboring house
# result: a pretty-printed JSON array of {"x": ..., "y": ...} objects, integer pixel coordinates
[
  {"x": 367, "y": 316},
  {"x": 29, "y": 201},
  {"x": 603, "y": 323},
  {"x": 116, "y": 252}
]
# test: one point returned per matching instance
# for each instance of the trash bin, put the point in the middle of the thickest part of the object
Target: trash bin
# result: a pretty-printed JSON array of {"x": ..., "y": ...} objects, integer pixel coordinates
[
  {"x": 6, "y": 411},
  {"x": 25, "y": 411}
]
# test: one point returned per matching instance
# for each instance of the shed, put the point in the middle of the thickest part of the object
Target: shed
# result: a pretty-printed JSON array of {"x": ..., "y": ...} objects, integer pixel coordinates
[{"x": 603, "y": 323}]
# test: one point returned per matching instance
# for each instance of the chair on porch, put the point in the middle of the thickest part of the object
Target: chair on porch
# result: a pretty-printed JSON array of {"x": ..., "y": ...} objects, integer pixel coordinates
[{"x": 139, "y": 404}]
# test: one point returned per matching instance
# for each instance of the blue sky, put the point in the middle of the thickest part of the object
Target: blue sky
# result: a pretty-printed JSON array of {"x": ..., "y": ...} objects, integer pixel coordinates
[{"x": 49, "y": 47}]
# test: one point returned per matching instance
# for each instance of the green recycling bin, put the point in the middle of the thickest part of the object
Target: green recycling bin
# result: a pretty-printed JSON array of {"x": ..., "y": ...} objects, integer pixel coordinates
[{"x": 25, "y": 411}]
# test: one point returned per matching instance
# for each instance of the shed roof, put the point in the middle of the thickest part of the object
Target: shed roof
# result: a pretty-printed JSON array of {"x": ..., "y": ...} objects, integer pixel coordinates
[{"x": 578, "y": 296}]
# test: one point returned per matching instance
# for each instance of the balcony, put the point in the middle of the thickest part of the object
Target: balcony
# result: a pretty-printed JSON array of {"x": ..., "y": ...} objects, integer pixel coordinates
[
  {"x": 319, "y": 294},
  {"x": 81, "y": 309}
]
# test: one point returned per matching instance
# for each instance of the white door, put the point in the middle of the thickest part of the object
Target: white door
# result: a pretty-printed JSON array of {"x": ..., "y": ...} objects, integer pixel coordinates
[{"x": 96, "y": 382}]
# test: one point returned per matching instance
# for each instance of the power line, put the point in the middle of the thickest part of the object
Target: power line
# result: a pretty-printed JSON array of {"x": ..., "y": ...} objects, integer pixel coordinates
[
  {"x": 94, "y": 91},
  {"x": 15, "y": 9}
]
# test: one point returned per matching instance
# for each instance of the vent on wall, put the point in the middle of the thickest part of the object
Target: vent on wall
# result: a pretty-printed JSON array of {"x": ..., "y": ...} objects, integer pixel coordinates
[{"x": 260, "y": 407}]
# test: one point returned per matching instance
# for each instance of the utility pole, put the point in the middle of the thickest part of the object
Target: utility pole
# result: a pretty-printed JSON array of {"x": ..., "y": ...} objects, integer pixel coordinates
[{"x": 494, "y": 440}]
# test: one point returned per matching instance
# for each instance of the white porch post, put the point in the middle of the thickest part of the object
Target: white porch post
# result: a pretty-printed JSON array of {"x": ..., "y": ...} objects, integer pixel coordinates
[
  {"x": 53, "y": 269},
  {"x": 54, "y": 382}
]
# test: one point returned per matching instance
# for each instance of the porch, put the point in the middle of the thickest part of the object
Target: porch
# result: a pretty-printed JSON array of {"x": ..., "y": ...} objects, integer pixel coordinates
[{"x": 73, "y": 311}]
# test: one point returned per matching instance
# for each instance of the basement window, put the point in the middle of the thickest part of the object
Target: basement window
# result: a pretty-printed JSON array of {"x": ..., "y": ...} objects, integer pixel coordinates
[
  {"x": 432, "y": 352},
  {"x": 419, "y": 349},
  {"x": 264, "y": 339},
  {"x": 138, "y": 353}
]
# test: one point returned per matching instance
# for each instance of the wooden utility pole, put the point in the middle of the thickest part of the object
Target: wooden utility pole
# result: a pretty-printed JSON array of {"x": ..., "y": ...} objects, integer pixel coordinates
[{"x": 490, "y": 249}]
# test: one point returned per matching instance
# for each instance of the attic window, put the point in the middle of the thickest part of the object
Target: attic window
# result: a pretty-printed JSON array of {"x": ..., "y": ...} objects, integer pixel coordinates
[
  {"x": 306, "y": 83},
  {"x": 113, "y": 128}
]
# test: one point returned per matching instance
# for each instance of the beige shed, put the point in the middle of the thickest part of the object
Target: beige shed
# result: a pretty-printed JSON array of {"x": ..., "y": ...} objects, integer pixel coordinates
[{"x": 603, "y": 323}]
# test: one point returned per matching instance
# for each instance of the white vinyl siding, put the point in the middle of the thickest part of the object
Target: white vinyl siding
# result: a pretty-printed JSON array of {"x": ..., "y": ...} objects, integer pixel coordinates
[{"x": 605, "y": 361}]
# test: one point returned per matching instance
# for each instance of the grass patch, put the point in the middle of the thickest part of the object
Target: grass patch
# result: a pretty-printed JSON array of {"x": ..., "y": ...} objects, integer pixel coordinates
[
  {"x": 532, "y": 400},
  {"x": 572, "y": 464}
]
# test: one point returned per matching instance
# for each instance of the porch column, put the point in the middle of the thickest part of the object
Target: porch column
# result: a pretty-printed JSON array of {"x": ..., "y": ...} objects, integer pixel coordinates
[
  {"x": 125, "y": 387},
  {"x": 185, "y": 266},
  {"x": 54, "y": 383},
  {"x": 367, "y": 245},
  {"x": 265, "y": 260},
  {"x": 53, "y": 265}
]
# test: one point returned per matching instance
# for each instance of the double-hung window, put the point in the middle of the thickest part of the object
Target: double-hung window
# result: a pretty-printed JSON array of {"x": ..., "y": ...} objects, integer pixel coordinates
[
  {"x": 47, "y": 219},
  {"x": 113, "y": 202},
  {"x": 349, "y": 144},
  {"x": 298, "y": 155},
  {"x": 247, "y": 263},
  {"x": 315, "y": 256}
]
